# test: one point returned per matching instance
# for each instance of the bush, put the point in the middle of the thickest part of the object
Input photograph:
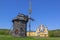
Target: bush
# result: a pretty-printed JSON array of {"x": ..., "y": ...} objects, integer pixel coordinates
[
  {"x": 54, "y": 33},
  {"x": 4, "y": 32}
]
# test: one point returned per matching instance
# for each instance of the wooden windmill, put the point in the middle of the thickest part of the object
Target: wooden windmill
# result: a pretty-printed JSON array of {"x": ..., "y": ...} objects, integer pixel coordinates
[{"x": 20, "y": 23}]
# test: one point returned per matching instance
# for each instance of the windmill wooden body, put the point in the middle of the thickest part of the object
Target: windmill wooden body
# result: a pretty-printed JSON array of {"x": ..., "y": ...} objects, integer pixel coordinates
[{"x": 20, "y": 25}]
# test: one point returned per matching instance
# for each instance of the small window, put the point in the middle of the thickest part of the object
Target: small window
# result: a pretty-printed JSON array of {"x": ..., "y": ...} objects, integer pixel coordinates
[{"x": 16, "y": 31}]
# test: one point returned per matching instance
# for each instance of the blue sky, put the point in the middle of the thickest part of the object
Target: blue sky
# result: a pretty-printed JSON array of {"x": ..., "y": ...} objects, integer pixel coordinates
[{"x": 46, "y": 12}]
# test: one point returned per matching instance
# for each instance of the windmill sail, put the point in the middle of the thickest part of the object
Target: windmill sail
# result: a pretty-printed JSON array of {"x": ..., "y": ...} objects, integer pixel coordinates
[{"x": 30, "y": 6}]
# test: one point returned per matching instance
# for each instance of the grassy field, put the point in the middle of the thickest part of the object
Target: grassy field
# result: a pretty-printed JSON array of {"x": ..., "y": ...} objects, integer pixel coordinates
[
  {"x": 6, "y": 37},
  {"x": 53, "y": 35}
]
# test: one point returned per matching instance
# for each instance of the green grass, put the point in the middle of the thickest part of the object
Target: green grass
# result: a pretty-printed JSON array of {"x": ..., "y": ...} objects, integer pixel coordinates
[{"x": 8, "y": 37}]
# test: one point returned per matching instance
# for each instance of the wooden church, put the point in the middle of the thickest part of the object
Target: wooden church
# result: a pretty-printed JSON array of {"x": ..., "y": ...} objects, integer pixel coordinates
[{"x": 41, "y": 31}]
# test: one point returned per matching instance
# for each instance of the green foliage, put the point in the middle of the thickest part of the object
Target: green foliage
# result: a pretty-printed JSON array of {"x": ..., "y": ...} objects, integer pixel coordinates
[
  {"x": 57, "y": 33},
  {"x": 4, "y": 32},
  {"x": 54, "y": 33}
]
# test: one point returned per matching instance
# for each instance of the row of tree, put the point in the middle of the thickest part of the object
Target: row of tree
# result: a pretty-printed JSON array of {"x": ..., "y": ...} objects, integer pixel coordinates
[
  {"x": 4, "y": 32},
  {"x": 54, "y": 33}
]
